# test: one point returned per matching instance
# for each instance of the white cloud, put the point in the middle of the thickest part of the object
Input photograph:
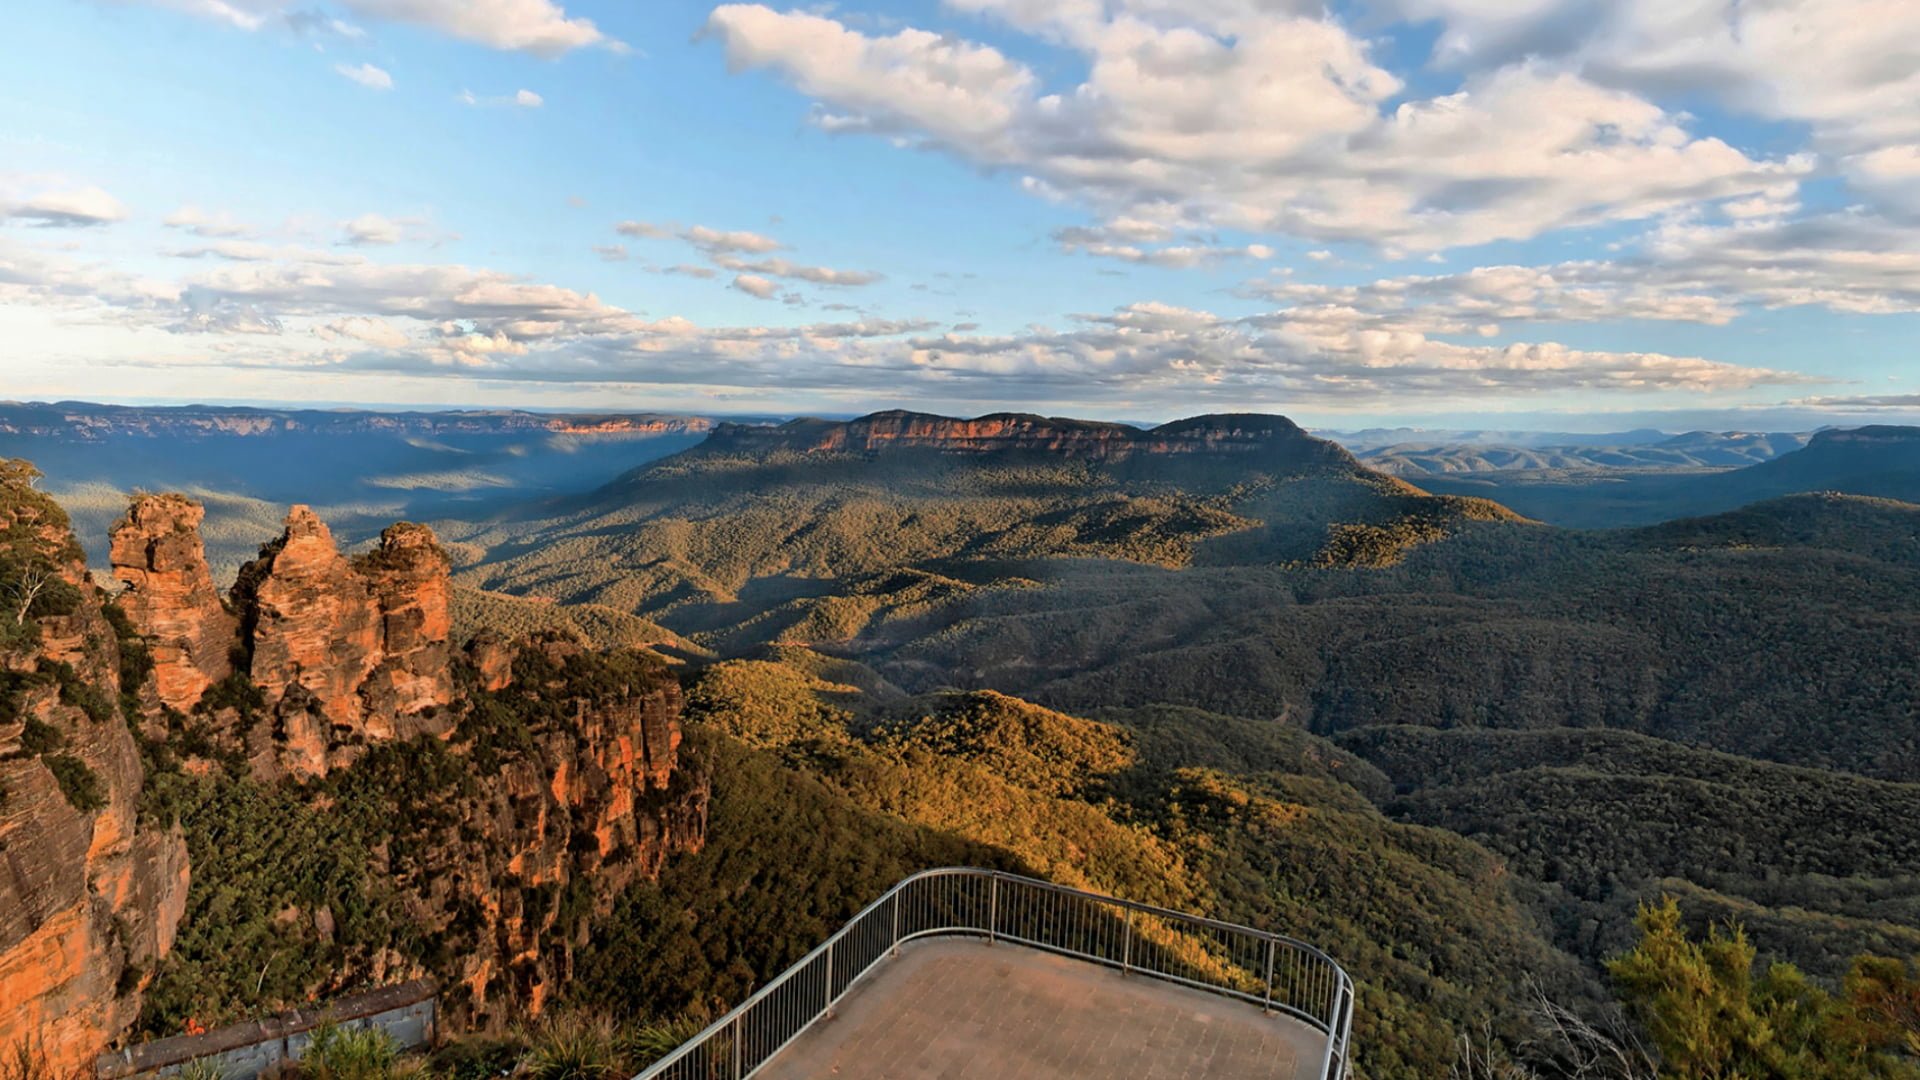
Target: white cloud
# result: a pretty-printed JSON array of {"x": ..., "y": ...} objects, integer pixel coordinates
[
  {"x": 1254, "y": 118},
  {"x": 370, "y": 230},
  {"x": 755, "y": 286},
  {"x": 1847, "y": 67},
  {"x": 819, "y": 275},
  {"x": 218, "y": 226},
  {"x": 611, "y": 252},
  {"x": 351, "y": 314},
  {"x": 1478, "y": 300},
  {"x": 364, "y": 329},
  {"x": 58, "y": 206},
  {"x": 540, "y": 27},
  {"x": 713, "y": 241},
  {"x": 1110, "y": 242},
  {"x": 521, "y": 99},
  {"x": 366, "y": 75}
]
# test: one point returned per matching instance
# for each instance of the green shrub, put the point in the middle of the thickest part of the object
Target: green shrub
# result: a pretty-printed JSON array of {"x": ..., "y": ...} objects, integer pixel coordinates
[
  {"x": 477, "y": 1059},
  {"x": 573, "y": 1046},
  {"x": 40, "y": 738},
  {"x": 205, "y": 1068},
  {"x": 338, "y": 1053},
  {"x": 649, "y": 1043},
  {"x": 82, "y": 694},
  {"x": 77, "y": 782}
]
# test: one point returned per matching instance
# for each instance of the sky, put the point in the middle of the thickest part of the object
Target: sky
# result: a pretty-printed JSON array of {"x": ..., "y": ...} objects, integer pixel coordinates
[{"x": 1581, "y": 214}]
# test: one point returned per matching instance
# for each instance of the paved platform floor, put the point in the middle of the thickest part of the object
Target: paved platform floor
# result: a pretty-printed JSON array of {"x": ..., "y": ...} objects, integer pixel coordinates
[{"x": 953, "y": 1008}]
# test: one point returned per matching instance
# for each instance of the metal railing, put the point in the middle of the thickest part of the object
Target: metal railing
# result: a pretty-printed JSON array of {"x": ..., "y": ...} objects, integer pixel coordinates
[{"x": 1276, "y": 973}]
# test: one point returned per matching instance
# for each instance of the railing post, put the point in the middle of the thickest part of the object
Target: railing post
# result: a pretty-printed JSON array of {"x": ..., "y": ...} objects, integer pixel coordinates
[
  {"x": 736, "y": 1049},
  {"x": 993, "y": 907},
  {"x": 829, "y": 1008},
  {"x": 1126, "y": 947},
  {"x": 1268, "y": 1006},
  {"x": 894, "y": 949}
]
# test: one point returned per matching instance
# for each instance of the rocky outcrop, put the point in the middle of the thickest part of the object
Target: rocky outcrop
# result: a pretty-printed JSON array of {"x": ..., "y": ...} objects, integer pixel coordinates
[
  {"x": 1003, "y": 432},
  {"x": 312, "y": 628},
  {"x": 157, "y": 552},
  {"x": 90, "y": 894},
  {"x": 563, "y": 787},
  {"x": 594, "y": 800},
  {"x": 407, "y": 576},
  {"x": 340, "y": 651},
  {"x": 343, "y": 651}
]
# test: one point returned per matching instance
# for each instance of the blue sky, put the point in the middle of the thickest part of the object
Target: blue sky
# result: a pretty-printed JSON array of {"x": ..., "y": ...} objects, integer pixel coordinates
[{"x": 1441, "y": 211}]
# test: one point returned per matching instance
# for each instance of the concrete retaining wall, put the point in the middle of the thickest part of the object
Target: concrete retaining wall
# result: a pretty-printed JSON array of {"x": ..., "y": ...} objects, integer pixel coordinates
[{"x": 247, "y": 1050}]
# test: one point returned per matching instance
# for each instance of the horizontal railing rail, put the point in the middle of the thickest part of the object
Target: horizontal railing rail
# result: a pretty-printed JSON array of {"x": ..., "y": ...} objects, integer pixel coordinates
[{"x": 1272, "y": 971}]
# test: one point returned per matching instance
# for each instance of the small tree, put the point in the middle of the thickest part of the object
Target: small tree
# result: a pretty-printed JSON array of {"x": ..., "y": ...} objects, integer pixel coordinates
[
  {"x": 1711, "y": 1018},
  {"x": 24, "y": 585},
  {"x": 19, "y": 472}
]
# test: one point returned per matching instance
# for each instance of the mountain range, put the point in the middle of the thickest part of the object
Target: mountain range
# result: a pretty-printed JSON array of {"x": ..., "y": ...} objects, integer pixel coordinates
[{"x": 1220, "y": 664}]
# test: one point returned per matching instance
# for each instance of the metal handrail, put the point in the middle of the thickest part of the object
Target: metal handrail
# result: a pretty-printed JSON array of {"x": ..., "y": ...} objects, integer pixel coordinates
[{"x": 1275, "y": 972}]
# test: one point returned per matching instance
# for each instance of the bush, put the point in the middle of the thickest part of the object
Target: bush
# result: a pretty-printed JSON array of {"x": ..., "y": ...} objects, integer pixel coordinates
[
  {"x": 651, "y": 1042},
  {"x": 77, "y": 782},
  {"x": 338, "y": 1053},
  {"x": 573, "y": 1046}
]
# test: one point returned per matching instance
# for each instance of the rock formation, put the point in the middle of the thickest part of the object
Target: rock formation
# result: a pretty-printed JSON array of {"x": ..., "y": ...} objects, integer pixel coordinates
[
  {"x": 407, "y": 575},
  {"x": 89, "y": 893},
  {"x": 171, "y": 596},
  {"x": 566, "y": 790},
  {"x": 598, "y": 804},
  {"x": 311, "y": 625},
  {"x": 341, "y": 651}
]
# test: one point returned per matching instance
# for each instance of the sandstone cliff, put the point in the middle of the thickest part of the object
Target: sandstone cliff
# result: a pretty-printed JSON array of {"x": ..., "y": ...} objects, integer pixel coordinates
[
  {"x": 501, "y": 796},
  {"x": 90, "y": 894},
  {"x": 1002, "y": 432},
  {"x": 157, "y": 552},
  {"x": 597, "y": 800},
  {"x": 340, "y": 651}
]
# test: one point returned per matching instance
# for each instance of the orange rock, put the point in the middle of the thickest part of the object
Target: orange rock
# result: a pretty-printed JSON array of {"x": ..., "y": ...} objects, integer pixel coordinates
[
  {"x": 171, "y": 597},
  {"x": 311, "y": 621},
  {"x": 87, "y": 896}
]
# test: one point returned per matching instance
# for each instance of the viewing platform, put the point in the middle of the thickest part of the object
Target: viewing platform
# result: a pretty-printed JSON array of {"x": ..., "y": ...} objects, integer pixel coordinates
[{"x": 975, "y": 973}]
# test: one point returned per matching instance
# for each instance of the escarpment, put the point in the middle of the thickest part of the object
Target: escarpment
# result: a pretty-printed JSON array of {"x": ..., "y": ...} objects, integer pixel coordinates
[
  {"x": 500, "y": 796},
  {"x": 1240, "y": 433},
  {"x": 91, "y": 890}
]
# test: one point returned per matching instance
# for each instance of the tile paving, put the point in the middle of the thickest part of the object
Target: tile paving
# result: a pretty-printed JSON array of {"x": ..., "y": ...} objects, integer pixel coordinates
[{"x": 953, "y": 1008}]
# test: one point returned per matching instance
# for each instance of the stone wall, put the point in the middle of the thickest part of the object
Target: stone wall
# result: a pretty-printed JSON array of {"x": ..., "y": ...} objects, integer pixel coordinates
[{"x": 407, "y": 1012}]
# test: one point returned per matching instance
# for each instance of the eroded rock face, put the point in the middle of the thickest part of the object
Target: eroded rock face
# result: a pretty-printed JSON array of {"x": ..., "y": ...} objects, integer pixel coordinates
[
  {"x": 343, "y": 651},
  {"x": 171, "y": 596},
  {"x": 595, "y": 803},
  {"x": 309, "y": 621},
  {"x": 407, "y": 575},
  {"x": 575, "y": 794},
  {"x": 89, "y": 894}
]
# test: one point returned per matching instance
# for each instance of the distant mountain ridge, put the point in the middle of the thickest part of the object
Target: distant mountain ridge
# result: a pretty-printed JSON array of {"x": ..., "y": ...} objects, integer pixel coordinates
[
  {"x": 1219, "y": 433},
  {"x": 1690, "y": 450},
  {"x": 87, "y": 420},
  {"x": 1880, "y": 461}
]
